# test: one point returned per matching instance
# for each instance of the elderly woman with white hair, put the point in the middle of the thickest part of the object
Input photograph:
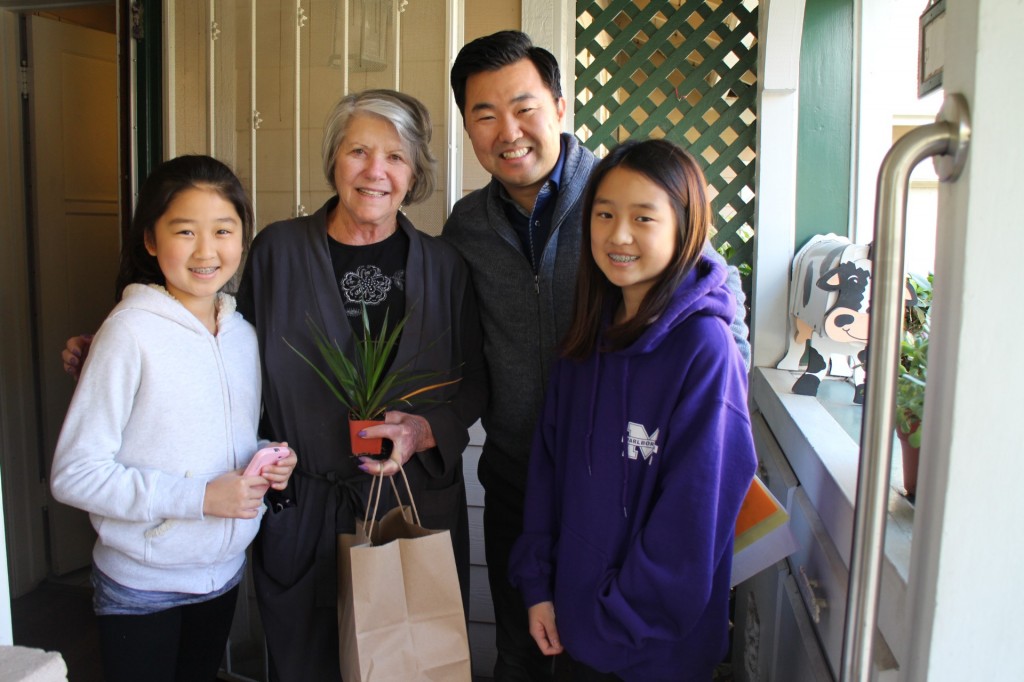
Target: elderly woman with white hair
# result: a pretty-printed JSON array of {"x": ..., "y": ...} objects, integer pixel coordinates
[{"x": 357, "y": 251}]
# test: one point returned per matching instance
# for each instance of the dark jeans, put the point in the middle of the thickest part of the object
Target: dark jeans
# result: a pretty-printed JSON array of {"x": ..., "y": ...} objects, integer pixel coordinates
[
  {"x": 519, "y": 659},
  {"x": 181, "y": 644}
]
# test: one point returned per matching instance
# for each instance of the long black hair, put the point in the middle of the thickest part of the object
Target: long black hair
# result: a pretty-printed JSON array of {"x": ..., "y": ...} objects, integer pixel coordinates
[
  {"x": 166, "y": 181},
  {"x": 679, "y": 175}
]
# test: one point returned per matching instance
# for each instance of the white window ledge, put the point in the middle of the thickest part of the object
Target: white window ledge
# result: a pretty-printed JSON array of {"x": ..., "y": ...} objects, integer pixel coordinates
[{"x": 819, "y": 437}]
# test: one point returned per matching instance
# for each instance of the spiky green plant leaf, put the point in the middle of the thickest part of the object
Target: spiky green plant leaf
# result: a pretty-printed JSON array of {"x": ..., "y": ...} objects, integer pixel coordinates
[{"x": 363, "y": 383}]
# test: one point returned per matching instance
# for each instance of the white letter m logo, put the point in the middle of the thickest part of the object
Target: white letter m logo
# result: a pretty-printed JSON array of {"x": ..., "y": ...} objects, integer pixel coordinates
[{"x": 638, "y": 443}]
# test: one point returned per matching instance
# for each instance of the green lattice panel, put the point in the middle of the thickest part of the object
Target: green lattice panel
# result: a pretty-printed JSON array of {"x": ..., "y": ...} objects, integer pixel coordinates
[{"x": 683, "y": 70}]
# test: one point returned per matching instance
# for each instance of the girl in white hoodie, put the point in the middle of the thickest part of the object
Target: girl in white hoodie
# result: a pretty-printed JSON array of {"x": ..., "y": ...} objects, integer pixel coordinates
[{"x": 162, "y": 422}]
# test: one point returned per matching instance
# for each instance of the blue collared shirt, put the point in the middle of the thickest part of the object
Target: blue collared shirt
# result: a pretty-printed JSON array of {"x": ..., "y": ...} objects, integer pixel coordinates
[{"x": 534, "y": 228}]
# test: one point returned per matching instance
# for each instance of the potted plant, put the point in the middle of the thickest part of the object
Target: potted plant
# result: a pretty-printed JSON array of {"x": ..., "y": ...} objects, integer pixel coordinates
[
  {"x": 364, "y": 384},
  {"x": 913, "y": 375}
]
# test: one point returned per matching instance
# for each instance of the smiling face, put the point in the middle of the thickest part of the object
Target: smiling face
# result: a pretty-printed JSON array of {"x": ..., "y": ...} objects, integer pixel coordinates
[
  {"x": 848, "y": 320},
  {"x": 198, "y": 244},
  {"x": 372, "y": 173},
  {"x": 514, "y": 123},
  {"x": 633, "y": 233}
]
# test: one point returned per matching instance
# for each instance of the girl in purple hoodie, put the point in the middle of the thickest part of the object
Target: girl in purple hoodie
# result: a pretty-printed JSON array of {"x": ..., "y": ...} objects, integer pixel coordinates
[{"x": 643, "y": 453}]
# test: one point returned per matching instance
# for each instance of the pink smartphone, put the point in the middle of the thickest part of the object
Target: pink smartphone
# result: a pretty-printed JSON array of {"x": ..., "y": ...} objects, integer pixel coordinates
[{"x": 263, "y": 458}]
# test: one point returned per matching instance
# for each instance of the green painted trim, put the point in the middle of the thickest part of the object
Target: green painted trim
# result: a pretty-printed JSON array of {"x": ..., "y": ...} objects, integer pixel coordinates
[
  {"x": 149, "y": 88},
  {"x": 824, "y": 161}
]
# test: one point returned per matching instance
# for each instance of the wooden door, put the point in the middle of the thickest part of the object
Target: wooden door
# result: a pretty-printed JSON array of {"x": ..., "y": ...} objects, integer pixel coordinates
[{"x": 73, "y": 104}]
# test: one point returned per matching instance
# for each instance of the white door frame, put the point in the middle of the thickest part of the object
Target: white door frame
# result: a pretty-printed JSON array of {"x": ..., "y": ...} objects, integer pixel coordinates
[{"x": 967, "y": 552}]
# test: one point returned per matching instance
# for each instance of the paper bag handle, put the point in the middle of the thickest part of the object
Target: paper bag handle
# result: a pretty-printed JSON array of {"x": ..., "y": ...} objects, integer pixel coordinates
[
  {"x": 376, "y": 486},
  {"x": 408, "y": 491}
]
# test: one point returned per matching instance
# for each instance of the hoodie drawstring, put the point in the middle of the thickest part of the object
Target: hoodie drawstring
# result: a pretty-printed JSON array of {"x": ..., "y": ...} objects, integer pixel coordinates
[
  {"x": 623, "y": 392},
  {"x": 595, "y": 375},
  {"x": 624, "y": 438}
]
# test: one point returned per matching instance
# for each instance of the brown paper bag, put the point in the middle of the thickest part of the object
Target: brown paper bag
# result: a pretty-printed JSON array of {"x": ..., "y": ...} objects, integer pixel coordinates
[{"x": 400, "y": 611}]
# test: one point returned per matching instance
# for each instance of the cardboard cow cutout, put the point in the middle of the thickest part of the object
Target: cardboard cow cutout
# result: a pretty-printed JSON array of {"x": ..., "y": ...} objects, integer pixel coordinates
[{"x": 829, "y": 303}]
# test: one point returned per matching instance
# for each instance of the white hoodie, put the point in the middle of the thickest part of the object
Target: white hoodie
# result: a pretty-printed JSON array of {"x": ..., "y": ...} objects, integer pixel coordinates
[{"x": 162, "y": 407}]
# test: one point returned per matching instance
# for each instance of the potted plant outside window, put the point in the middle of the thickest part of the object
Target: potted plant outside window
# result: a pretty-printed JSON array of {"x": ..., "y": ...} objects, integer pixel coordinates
[
  {"x": 913, "y": 374},
  {"x": 364, "y": 384}
]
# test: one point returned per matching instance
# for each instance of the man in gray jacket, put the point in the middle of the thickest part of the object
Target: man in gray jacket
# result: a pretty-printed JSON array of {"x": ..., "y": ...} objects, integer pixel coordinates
[{"x": 520, "y": 236}]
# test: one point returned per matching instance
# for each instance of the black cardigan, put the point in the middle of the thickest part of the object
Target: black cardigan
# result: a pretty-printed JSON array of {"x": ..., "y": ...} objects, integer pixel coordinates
[{"x": 287, "y": 276}]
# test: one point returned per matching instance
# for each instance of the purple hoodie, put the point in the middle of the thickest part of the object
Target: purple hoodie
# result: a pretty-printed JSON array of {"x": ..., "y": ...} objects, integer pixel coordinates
[{"x": 640, "y": 462}]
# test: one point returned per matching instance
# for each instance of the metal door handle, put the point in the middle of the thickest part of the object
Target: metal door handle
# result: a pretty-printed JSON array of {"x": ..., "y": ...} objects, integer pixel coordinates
[{"x": 948, "y": 138}]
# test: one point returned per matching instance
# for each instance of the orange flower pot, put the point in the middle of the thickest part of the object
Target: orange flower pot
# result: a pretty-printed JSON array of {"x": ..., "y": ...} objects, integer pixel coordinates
[{"x": 370, "y": 447}]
